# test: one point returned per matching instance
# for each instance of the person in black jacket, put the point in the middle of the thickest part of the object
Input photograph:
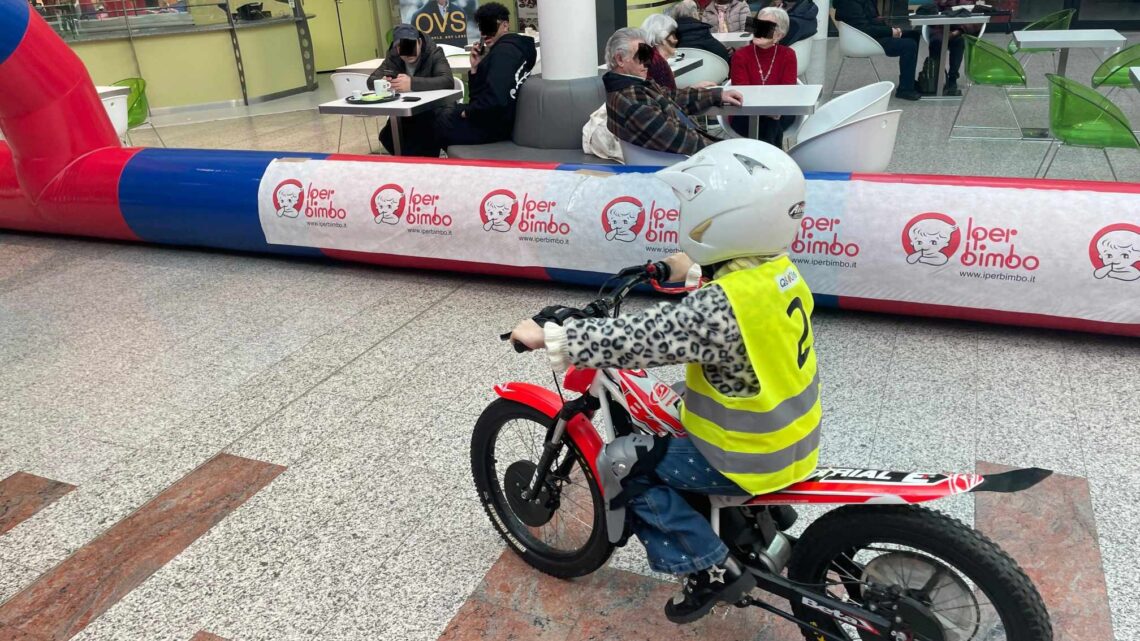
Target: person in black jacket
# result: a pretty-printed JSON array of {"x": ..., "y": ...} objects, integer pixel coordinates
[
  {"x": 898, "y": 43},
  {"x": 500, "y": 64},
  {"x": 414, "y": 63},
  {"x": 694, "y": 34},
  {"x": 803, "y": 19}
]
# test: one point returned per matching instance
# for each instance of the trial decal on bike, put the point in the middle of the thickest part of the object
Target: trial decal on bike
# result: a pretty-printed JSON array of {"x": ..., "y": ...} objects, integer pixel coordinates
[
  {"x": 639, "y": 389},
  {"x": 840, "y": 616},
  {"x": 797, "y": 304},
  {"x": 878, "y": 477}
]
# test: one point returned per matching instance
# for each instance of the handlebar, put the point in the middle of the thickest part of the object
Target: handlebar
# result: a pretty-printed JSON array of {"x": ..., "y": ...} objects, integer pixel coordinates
[{"x": 606, "y": 305}]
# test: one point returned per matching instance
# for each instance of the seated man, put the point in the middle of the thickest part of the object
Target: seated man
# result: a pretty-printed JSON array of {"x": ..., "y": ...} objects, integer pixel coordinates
[
  {"x": 694, "y": 34},
  {"x": 644, "y": 113},
  {"x": 414, "y": 63},
  {"x": 500, "y": 64},
  {"x": 864, "y": 16}
]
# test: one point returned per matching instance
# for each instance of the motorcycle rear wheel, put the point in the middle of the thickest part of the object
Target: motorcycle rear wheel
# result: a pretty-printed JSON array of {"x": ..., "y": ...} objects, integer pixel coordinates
[
  {"x": 500, "y": 467},
  {"x": 976, "y": 591}
]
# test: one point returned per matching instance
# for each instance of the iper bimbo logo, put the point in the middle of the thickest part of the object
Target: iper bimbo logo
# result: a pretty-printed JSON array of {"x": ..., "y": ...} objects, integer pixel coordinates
[
  {"x": 623, "y": 218},
  {"x": 931, "y": 239},
  {"x": 499, "y": 210},
  {"x": 388, "y": 204},
  {"x": 1115, "y": 252},
  {"x": 289, "y": 198}
]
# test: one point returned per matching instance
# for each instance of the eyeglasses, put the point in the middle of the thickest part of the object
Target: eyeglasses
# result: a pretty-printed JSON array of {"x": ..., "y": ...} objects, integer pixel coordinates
[{"x": 644, "y": 54}]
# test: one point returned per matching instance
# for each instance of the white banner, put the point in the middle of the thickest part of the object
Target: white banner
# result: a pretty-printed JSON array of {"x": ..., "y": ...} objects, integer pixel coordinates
[
  {"x": 1060, "y": 253},
  {"x": 502, "y": 216}
]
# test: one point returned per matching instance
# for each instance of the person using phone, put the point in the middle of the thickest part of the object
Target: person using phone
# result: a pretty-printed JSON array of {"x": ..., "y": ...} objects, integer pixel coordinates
[
  {"x": 414, "y": 63},
  {"x": 764, "y": 62},
  {"x": 500, "y": 63}
]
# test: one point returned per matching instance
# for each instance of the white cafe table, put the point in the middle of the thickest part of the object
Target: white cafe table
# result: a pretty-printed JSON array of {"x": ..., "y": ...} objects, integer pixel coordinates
[
  {"x": 1070, "y": 39},
  {"x": 678, "y": 65},
  {"x": 943, "y": 21},
  {"x": 112, "y": 91},
  {"x": 733, "y": 39},
  {"x": 1134, "y": 73},
  {"x": 771, "y": 100},
  {"x": 396, "y": 109}
]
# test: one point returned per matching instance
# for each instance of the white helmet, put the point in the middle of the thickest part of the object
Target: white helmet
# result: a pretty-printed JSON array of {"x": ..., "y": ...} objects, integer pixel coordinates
[{"x": 739, "y": 198}]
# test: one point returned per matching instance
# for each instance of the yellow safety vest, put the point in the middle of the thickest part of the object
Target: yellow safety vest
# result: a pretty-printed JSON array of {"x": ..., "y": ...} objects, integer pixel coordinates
[{"x": 771, "y": 440}]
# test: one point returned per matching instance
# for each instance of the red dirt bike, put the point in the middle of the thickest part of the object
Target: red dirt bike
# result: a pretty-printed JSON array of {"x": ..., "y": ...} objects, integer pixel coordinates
[{"x": 878, "y": 568}]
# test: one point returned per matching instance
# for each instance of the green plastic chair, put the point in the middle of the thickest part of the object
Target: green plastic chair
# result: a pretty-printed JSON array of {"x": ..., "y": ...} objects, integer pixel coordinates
[
  {"x": 138, "y": 107},
  {"x": 987, "y": 64},
  {"x": 1056, "y": 21},
  {"x": 1113, "y": 72},
  {"x": 1081, "y": 117}
]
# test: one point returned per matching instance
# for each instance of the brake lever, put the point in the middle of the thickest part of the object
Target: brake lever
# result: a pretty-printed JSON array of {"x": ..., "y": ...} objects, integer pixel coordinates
[{"x": 519, "y": 347}]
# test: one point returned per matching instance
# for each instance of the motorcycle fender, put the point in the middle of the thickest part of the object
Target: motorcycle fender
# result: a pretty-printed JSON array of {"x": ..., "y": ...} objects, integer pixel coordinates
[{"x": 579, "y": 429}]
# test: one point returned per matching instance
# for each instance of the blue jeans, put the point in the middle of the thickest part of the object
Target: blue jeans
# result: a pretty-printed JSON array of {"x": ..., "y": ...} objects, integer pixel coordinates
[{"x": 679, "y": 539}]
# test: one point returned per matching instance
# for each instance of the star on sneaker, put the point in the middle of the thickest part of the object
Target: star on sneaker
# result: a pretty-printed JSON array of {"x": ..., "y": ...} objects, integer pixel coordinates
[{"x": 716, "y": 574}]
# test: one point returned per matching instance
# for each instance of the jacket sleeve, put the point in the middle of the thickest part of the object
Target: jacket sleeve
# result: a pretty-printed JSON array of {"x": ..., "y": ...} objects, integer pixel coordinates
[
  {"x": 708, "y": 16},
  {"x": 390, "y": 67},
  {"x": 701, "y": 328},
  {"x": 439, "y": 75},
  {"x": 646, "y": 125},
  {"x": 739, "y": 17},
  {"x": 500, "y": 82},
  {"x": 737, "y": 69},
  {"x": 693, "y": 101}
]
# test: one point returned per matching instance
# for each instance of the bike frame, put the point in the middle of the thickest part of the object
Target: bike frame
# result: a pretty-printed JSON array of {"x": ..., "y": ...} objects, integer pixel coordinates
[{"x": 599, "y": 390}]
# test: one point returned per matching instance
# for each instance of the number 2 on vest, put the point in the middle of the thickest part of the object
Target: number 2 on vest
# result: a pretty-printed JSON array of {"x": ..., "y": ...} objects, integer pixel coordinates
[{"x": 797, "y": 304}]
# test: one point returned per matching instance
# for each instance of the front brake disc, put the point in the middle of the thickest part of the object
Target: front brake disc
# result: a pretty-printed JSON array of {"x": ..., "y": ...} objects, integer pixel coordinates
[{"x": 536, "y": 512}]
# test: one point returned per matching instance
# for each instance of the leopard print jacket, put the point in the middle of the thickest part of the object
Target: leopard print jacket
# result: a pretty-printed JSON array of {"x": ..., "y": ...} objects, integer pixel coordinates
[{"x": 701, "y": 328}]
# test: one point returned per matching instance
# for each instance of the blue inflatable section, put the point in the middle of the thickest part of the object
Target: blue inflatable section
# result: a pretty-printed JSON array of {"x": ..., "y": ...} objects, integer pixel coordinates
[
  {"x": 200, "y": 197},
  {"x": 13, "y": 25}
]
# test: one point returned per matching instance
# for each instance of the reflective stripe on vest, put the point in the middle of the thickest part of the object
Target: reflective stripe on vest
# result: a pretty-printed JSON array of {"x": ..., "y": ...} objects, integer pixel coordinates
[
  {"x": 770, "y": 440},
  {"x": 751, "y": 422}
]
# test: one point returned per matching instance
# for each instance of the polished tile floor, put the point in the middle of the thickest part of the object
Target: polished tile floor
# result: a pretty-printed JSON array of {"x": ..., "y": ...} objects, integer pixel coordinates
[{"x": 125, "y": 368}]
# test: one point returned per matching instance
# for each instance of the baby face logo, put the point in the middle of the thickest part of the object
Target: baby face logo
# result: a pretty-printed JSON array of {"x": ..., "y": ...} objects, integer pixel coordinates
[
  {"x": 289, "y": 198},
  {"x": 388, "y": 204},
  {"x": 623, "y": 219},
  {"x": 931, "y": 239},
  {"x": 1115, "y": 252},
  {"x": 499, "y": 210}
]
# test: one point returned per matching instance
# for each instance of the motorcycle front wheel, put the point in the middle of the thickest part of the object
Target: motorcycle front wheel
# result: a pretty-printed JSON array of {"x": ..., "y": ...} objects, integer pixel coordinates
[
  {"x": 562, "y": 531},
  {"x": 966, "y": 587}
]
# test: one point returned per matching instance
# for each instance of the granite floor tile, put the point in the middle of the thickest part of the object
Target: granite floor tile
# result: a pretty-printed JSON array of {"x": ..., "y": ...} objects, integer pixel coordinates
[
  {"x": 22, "y": 495},
  {"x": 13, "y": 578},
  {"x": 63, "y": 601},
  {"x": 287, "y": 436}
]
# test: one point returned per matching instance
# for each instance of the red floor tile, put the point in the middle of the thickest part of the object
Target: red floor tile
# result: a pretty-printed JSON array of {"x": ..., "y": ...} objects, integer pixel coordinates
[
  {"x": 1051, "y": 531},
  {"x": 23, "y": 494},
  {"x": 63, "y": 601}
]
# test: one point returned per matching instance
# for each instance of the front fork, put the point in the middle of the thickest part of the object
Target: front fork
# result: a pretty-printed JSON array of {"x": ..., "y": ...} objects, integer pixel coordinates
[{"x": 582, "y": 405}]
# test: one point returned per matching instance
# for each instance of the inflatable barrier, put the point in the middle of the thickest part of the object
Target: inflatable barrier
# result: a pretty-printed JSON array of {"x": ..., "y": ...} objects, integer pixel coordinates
[{"x": 1059, "y": 254}]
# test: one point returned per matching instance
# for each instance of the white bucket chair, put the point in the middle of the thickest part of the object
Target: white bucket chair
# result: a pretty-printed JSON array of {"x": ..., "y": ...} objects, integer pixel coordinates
[
  {"x": 853, "y": 43},
  {"x": 864, "y": 145},
  {"x": 713, "y": 68},
  {"x": 853, "y": 105},
  {"x": 803, "y": 50},
  {"x": 344, "y": 84},
  {"x": 641, "y": 157},
  {"x": 116, "y": 107},
  {"x": 458, "y": 84}
]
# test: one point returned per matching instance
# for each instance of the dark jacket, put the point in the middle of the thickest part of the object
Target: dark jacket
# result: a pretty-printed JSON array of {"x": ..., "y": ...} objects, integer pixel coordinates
[
  {"x": 694, "y": 34},
  {"x": 648, "y": 115},
  {"x": 431, "y": 71},
  {"x": 863, "y": 15},
  {"x": 802, "y": 21},
  {"x": 496, "y": 81}
]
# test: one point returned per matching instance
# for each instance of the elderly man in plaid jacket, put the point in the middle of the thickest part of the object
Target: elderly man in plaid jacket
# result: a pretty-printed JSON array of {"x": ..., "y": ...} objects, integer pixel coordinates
[{"x": 644, "y": 113}]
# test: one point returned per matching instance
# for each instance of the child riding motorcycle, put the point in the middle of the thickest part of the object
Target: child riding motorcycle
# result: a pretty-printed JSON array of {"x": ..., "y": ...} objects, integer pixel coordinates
[{"x": 751, "y": 404}]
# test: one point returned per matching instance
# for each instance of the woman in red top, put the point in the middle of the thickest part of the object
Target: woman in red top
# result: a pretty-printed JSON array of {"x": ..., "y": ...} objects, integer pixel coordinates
[{"x": 765, "y": 63}]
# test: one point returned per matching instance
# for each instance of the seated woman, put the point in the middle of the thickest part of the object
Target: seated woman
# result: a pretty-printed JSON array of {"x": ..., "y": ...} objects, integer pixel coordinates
[
  {"x": 765, "y": 63},
  {"x": 661, "y": 34},
  {"x": 694, "y": 34}
]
